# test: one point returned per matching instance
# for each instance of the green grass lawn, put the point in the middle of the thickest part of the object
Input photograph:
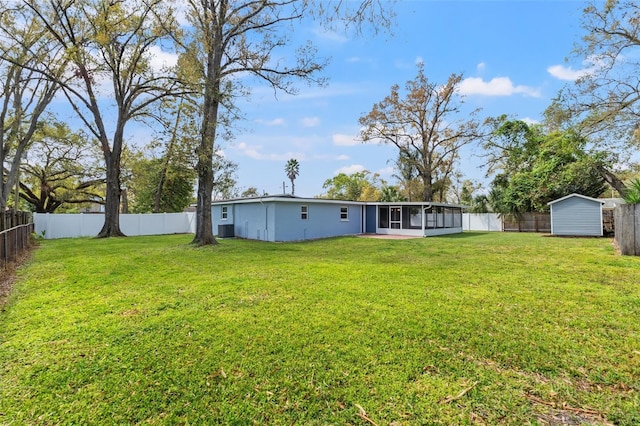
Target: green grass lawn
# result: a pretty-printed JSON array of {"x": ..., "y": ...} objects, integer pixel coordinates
[{"x": 475, "y": 328}]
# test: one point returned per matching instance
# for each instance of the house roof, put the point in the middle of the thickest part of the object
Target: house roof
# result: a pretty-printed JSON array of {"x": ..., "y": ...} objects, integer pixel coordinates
[
  {"x": 575, "y": 195},
  {"x": 286, "y": 198}
]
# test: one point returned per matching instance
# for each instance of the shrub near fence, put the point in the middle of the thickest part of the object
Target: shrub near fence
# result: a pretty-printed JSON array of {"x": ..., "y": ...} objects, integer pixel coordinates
[
  {"x": 13, "y": 242},
  {"x": 627, "y": 229}
]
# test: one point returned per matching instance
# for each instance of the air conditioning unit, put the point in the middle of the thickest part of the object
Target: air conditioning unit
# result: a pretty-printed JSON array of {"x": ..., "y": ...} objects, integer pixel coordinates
[{"x": 226, "y": 231}]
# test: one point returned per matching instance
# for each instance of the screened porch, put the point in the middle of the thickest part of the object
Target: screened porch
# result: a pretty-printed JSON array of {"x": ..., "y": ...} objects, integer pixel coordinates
[{"x": 418, "y": 219}]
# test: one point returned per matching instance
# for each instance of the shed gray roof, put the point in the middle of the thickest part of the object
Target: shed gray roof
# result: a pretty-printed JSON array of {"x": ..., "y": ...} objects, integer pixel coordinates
[{"x": 576, "y": 195}]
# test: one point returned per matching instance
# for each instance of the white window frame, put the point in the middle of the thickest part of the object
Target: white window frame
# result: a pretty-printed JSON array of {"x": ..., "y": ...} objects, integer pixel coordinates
[
  {"x": 304, "y": 212},
  {"x": 344, "y": 213},
  {"x": 224, "y": 212}
]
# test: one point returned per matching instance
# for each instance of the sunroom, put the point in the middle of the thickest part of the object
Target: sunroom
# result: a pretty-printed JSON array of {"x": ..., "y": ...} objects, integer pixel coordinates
[{"x": 416, "y": 219}]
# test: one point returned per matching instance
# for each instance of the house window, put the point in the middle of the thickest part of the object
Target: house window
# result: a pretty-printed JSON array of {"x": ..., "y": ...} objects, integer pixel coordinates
[
  {"x": 224, "y": 213},
  {"x": 383, "y": 217},
  {"x": 344, "y": 213},
  {"x": 304, "y": 212}
]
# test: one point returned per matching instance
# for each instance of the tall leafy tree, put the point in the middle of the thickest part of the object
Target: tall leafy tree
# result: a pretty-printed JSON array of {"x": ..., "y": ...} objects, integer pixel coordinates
[
  {"x": 233, "y": 39},
  {"x": 609, "y": 91},
  {"x": 359, "y": 186},
  {"x": 391, "y": 194},
  {"x": 532, "y": 167},
  {"x": 59, "y": 171},
  {"x": 410, "y": 186},
  {"x": 146, "y": 175},
  {"x": 604, "y": 103},
  {"x": 109, "y": 45},
  {"x": 224, "y": 177},
  {"x": 25, "y": 52},
  {"x": 426, "y": 125},
  {"x": 292, "y": 169}
]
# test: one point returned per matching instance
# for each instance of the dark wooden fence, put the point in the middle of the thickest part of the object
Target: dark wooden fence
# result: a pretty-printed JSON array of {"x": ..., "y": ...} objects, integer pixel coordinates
[
  {"x": 627, "y": 229},
  {"x": 12, "y": 218},
  {"x": 527, "y": 222},
  {"x": 13, "y": 242}
]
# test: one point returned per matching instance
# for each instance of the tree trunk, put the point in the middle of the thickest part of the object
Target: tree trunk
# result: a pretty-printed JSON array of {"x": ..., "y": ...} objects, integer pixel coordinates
[
  {"x": 613, "y": 180},
  {"x": 211, "y": 104},
  {"x": 111, "y": 227},
  {"x": 427, "y": 189},
  {"x": 167, "y": 157},
  {"x": 204, "y": 225}
]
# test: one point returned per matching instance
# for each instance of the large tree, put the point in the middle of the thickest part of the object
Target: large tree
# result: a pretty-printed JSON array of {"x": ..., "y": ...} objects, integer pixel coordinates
[
  {"x": 60, "y": 171},
  {"x": 233, "y": 39},
  {"x": 109, "y": 45},
  {"x": 427, "y": 126},
  {"x": 609, "y": 91},
  {"x": 25, "y": 51},
  {"x": 532, "y": 166},
  {"x": 358, "y": 186},
  {"x": 604, "y": 103}
]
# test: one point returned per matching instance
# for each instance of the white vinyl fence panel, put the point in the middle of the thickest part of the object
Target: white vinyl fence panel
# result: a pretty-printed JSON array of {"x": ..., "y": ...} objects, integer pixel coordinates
[
  {"x": 481, "y": 222},
  {"x": 52, "y": 226}
]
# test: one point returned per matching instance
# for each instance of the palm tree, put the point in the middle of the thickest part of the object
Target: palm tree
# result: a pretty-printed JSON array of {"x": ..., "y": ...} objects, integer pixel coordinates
[{"x": 293, "y": 170}]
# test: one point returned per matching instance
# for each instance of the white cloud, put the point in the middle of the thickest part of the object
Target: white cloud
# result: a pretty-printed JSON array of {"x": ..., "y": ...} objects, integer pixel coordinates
[
  {"x": 341, "y": 139},
  {"x": 499, "y": 86},
  {"x": 342, "y": 157},
  {"x": 530, "y": 120},
  {"x": 387, "y": 171},
  {"x": 567, "y": 73},
  {"x": 250, "y": 151},
  {"x": 274, "y": 122},
  {"x": 255, "y": 152},
  {"x": 403, "y": 65},
  {"x": 310, "y": 121},
  {"x": 481, "y": 66},
  {"x": 161, "y": 59},
  {"x": 347, "y": 170},
  {"x": 329, "y": 35}
]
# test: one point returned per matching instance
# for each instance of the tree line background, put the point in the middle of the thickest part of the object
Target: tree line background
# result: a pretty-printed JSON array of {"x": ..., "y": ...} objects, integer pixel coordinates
[{"x": 97, "y": 56}]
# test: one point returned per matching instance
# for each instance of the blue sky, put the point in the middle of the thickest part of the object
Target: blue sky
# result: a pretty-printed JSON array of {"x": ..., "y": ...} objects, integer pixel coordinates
[{"x": 512, "y": 55}]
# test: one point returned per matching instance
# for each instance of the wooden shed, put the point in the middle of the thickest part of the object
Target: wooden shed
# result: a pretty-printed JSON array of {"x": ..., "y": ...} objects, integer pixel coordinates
[{"x": 576, "y": 215}]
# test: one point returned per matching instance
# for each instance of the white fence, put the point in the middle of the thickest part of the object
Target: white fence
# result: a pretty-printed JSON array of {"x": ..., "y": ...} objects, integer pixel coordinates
[
  {"x": 481, "y": 222},
  {"x": 52, "y": 226}
]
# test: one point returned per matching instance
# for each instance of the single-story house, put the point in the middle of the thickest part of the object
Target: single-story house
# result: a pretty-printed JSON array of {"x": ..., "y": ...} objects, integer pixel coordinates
[
  {"x": 289, "y": 218},
  {"x": 576, "y": 215}
]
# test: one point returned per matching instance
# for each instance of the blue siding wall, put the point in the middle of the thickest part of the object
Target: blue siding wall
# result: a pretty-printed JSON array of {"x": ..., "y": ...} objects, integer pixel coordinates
[
  {"x": 323, "y": 220},
  {"x": 216, "y": 216},
  {"x": 255, "y": 221},
  {"x": 282, "y": 221},
  {"x": 371, "y": 219},
  {"x": 252, "y": 220},
  {"x": 576, "y": 216}
]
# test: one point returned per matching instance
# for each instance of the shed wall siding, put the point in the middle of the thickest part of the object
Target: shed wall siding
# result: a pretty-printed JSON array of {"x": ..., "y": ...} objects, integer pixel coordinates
[{"x": 576, "y": 216}]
